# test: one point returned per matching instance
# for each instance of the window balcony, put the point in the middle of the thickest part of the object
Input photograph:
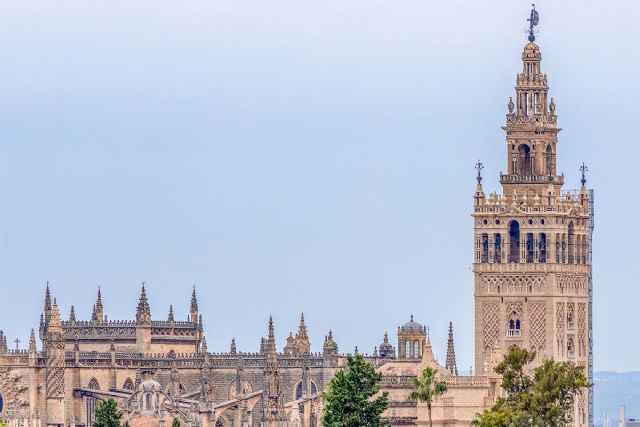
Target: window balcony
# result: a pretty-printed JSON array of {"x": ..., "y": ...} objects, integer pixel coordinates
[
  {"x": 514, "y": 333},
  {"x": 571, "y": 354}
]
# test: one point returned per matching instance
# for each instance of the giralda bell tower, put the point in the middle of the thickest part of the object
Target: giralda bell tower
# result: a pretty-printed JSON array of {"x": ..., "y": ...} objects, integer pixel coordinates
[{"x": 532, "y": 243}]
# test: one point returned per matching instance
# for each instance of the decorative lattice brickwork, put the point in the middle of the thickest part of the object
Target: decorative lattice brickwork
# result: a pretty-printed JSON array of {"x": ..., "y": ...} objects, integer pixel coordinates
[
  {"x": 513, "y": 283},
  {"x": 490, "y": 322},
  {"x": 537, "y": 325}
]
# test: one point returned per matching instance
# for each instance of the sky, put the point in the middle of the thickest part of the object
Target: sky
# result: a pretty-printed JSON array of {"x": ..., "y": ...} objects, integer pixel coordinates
[{"x": 297, "y": 156}]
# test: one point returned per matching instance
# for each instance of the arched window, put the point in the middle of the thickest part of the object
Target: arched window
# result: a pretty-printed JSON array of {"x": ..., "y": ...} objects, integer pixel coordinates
[
  {"x": 514, "y": 241},
  {"x": 571, "y": 238},
  {"x": 497, "y": 257},
  {"x": 542, "y": 250},
  {"x": 484, "y": 257},
  {"x": 571, "y": 349},
  {"x": 407, "y": 348},
  {"x": 558, "y": 248},
  {"x": 416, "y": 349},
  {"x": 128, "y": 384},
  {"x": 148, "y": 404},
  {"x": 299, "y": 392},
  {"x": 524, "y": 153},
  {"x": 1, "y": 403},
  {"x": 530, "y": 247},
  {"x": 517, "y": 323},
  {"x": 93, "y": 384},
  {"x": 548, "y": 160},
  {"x": 182, "y": 389}
]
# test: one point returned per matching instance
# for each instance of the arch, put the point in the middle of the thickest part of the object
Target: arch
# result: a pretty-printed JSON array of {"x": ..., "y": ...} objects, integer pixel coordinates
[
  {"x": 524, "y": 160},
  {"x": 514, "y": 241},
  {"x": 148, "y": 402},
  {"x": 571, "y": 348},
  {"x": 128, "y": 384},
  {"x": 542, "y": 248},
  {"x": 530, "y": 247},
  {"x": 484, "y": 256},
  {"x": 94, "y": 384},
  {"x": 407, "y": 348},
  {"x": 497, "y": 256},
  {"x": 182, "y": 389},
  {"x": 416, "y": 349},
  {"x": 548, "y": 161},
  {"x": 1, "y": 403},
  {"x": 571, "y": 242},
  {"x": 299, "y": 392}
]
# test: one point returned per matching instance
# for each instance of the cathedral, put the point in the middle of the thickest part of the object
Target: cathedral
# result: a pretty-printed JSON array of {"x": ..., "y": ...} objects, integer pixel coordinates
[{"x": 532, "y": 289}]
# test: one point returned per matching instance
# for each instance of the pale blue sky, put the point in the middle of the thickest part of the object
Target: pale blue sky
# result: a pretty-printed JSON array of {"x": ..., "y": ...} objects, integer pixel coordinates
[{"x": 289, "y": 156}]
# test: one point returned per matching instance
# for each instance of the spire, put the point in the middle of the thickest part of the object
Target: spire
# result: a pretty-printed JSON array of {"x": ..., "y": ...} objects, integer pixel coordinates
[
  {"x": 302, "y": 329},
  {"x": 3, "y": 343},
  {"x": 32, "y": 341},
  {"x": 54, "y": 319},
  {"x": 171, "y": 318},
  {"x": 270, "y": 343},
  {"x": 233, "y": 348},
  {"x": 72, "y": 315},
  {"x": 194, "y": 305},
  {"x": 99, "y": 308},
  {"x": 143, "y": 313},
  {"x": 47, "y": 304},
  {"x": 450, "y": 363},
  {"x": 303, "y": 346},
  {"x": 203, "y": 345}
]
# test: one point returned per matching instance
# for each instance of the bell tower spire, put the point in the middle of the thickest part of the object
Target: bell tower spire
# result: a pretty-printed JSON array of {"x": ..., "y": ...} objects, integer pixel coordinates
[{"x": 531, "y": 129}]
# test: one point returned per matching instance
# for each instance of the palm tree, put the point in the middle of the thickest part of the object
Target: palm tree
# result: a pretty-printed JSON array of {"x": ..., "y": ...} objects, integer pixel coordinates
[{"x": 426, "y": 388}]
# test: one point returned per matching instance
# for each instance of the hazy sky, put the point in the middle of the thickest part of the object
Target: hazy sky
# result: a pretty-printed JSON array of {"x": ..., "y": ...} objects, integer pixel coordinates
[{"x": 289, "y": 156}]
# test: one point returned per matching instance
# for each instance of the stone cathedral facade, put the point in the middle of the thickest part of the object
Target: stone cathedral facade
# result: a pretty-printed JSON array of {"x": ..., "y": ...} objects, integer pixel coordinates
[{"x": 532, "y": 272}]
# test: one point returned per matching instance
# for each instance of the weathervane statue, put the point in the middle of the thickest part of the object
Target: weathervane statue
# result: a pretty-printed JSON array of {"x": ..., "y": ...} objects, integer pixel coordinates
[{"x": 534, "y": 18}]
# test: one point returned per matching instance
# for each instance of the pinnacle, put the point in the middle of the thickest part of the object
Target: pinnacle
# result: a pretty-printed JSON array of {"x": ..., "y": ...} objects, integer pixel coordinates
[{"x": 194, "y": 300}]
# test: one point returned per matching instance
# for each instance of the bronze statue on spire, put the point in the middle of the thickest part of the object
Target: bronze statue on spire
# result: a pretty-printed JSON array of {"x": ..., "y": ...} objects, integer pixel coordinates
[{"x": 534, "y": 19}]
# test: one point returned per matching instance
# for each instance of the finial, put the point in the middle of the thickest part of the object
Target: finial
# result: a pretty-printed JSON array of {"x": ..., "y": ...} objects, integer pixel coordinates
[
  {"x": 534, "y": 19},
  {"x": 583, "y": 171},
  {"x": 171, "y": 317},
  {"x": 479, "y": 166},
  {"x": 412, "y": 317}
]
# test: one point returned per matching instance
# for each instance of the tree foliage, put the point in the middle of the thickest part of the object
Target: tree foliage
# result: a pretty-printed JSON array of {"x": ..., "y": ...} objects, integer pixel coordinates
[
  {"x": 427, "y": 387},
  {"x": 175, "y": 422},
  {"x": 544, "y": 400},
  {"x": 349, "y": 397},
  {"x": 107, "y": 414}
]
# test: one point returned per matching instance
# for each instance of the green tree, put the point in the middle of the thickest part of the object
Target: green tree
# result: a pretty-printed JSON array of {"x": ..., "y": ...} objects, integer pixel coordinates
[
  {"x": 107, "y": 414},
  {"x": 544, "y": 400},
  {"x": 426, "y": 388},
  {"x": 175, "y": 422},
  {"x": 350, "y": 395}
]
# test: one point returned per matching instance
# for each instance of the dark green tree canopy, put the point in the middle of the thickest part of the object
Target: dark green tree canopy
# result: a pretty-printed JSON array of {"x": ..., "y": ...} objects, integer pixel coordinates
[
  {"x": 349, "y": 397},
  {"x": 544, "y": 400},
  {"x": 107, "y": 414}
]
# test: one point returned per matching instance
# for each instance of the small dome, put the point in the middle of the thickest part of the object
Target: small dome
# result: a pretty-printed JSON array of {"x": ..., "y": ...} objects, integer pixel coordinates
[
  {"x": 532, "y": 47},
  {"x": 412, "y": 326},
  {"x": 149, "y": 385}
]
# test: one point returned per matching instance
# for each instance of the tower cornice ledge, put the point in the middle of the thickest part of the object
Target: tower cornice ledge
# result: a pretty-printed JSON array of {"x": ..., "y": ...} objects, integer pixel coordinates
[{"x": 533, "y": 267}]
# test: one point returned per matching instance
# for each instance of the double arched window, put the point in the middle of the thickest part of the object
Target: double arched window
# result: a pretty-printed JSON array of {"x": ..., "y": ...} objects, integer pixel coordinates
[{"x": 93, "y": 384}]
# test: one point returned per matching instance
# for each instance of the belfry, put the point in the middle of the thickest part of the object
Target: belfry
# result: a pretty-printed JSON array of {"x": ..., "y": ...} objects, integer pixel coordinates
[{"x": 532, "y": 250}]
